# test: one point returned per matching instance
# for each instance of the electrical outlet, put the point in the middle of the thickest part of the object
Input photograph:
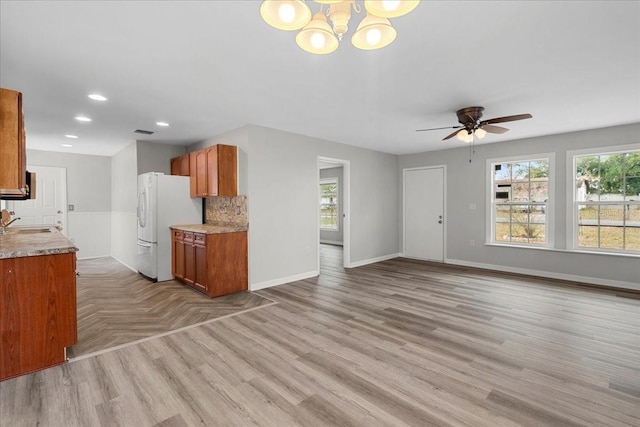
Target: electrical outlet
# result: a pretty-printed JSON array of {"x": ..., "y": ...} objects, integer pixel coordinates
[
  {"x": 472, "y": 206},
  {"x": 308, "y": 250},
  {"x": 71, "y": 208}
]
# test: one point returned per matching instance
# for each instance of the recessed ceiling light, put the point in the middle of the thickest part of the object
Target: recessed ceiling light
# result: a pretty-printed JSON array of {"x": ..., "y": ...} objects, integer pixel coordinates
[
  {"x": 72, "y": 136},
  {"x": 162, "y": 124},
  {"x": 83, "y": 119},
  {"x": 66, "y": 145},
  {"x": 97, "y": 97}
]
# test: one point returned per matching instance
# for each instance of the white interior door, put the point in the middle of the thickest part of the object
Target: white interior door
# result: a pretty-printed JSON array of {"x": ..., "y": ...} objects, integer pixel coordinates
[
  {"x": 424, "y": 213},
  {"x": 50, "y": 205}
]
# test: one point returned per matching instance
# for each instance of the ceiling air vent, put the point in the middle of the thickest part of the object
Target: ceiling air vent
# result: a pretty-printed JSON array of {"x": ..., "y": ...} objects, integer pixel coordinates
[{"x": 144, "y": 132}]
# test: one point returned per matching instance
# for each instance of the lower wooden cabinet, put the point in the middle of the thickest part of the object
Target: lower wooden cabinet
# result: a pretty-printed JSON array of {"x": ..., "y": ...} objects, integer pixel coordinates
[
  {"x": 215, "y": 264},
  {"x": 37, "y": 312}
]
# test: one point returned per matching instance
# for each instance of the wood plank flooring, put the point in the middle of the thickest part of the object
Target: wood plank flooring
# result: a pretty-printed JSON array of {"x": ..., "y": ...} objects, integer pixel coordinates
[
  {"x": 394, "y": 343},
  {"x": 117, "y": 306}
]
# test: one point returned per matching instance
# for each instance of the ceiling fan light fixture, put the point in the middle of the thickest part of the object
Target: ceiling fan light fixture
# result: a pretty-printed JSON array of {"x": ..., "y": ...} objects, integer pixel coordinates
[
  {"x": 373, "y": 32},
  {"x": 340, "y": 14},
  {"x": 288, "y": 15},
  {"x": 390, "y": 8},
  {"x": 480, "y": 133},
  {"x": 317, "y": 37}
]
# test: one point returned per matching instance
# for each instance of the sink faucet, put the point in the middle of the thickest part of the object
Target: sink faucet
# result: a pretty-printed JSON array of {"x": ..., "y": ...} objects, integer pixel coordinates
[{"x": 4, "y": 226}]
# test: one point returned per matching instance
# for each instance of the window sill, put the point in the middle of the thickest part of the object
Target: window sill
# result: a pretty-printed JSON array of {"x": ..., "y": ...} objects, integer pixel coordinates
[{"x": 573, "y": 251}]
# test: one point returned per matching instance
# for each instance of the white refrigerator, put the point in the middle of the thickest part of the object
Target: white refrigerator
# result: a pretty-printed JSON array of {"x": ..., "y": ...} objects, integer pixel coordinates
[{"x": 163, "y": 200}]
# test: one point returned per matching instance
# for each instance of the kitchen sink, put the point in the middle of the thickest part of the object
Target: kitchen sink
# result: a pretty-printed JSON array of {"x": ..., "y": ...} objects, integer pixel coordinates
[{"x": 27, "y": 230}]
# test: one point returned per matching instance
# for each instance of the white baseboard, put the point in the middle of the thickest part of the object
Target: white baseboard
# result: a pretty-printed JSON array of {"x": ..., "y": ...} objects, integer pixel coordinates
[
  {"x": 373, "y": 260},
  {"x": 94, "y": 257},
  {"x": 548, "y": 274},
  {"x": 135, "y": 270},
  {"x": 282, "y": 280}
]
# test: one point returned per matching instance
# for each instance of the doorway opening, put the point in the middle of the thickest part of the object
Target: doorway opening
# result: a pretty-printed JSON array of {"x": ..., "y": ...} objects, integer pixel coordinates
[{"x": 333, "y": 214}]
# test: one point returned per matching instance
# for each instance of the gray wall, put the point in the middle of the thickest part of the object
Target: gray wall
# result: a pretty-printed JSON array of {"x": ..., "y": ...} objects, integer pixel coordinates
[
  {"x": 124, "y": 182},
  {"x": 88, "y": 178},
  {"x": 279, "y": 174},
  {"x": 331, "y": 236},
  {"x": 466, "y": 183},
  {"x": 155, "y": 157}
]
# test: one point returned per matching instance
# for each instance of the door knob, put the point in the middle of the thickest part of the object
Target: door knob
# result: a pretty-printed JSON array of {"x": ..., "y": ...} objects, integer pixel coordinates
[
  {"x": 59, "y": 212},
  {"x": 440, "y": 221}
]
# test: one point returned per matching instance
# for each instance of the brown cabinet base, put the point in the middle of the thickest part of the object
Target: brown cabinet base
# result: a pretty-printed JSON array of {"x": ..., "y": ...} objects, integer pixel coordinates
[
  {"x": 37, "y": 312},
  {"x": 215, "y": 264}
]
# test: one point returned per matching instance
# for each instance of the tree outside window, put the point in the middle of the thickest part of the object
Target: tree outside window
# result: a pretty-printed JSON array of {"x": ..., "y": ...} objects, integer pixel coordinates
[{"x": 329, "y": 204}]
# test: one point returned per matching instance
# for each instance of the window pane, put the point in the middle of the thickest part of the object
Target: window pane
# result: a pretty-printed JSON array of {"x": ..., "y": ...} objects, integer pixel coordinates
[
  {"x": 611, "y": 215},
  {"x": 502, "y": 172},
  {"x": 539, "y": 169},
  {"x": 632, "y": 188},
  {"x": 520, "y": 227},
  {"x": 520, "y": 171},
  {"x": 520, "y": 191},
  {"x": 611, "y": 237},
  {"x": 503, "y": 219},
  {"x": 537, "y": 233},
  {"x": 588, "y": 214},
  {"x": 632, "y": 238},
  {"x": 588, "y": 236},
  {"x": 329, "y": 205},
  {"x": 540, "y": 190},
  {"x": 588, "y": 176}
]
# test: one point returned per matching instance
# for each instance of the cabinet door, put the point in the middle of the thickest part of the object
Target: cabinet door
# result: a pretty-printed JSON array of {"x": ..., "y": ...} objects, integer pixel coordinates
[
  {"x": 177, "y": 260},
  {"x": 13, "y": 177},
  {"x": 212, "y": 170},
  {"x": 227, "y": 170},
  {"x": 184, "y": 165},
  {"x": 200, "y": 281},
  {"x": 189, "y": 264},
  {"x": 198, "y": 173},
  {"x": 175, "y": 166}
]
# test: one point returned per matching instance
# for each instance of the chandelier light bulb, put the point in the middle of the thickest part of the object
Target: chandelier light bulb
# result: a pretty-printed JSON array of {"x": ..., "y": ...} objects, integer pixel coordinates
[
  {"x": 480, "y": 133},
  {"x": 286, "y": 12},
  {"x": 374, "y": 36},
  {"x": 462, "y": 135},
  {"x": 390, "y": 5},
  {"x": 317, "y": 40}
]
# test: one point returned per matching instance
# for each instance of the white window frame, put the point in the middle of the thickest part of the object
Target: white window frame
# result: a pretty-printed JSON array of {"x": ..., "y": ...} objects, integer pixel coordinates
[
  {"x": 331, "y": 181},
  {"x": 572, "y": 203},
  {"x": 549, "y": 211}
]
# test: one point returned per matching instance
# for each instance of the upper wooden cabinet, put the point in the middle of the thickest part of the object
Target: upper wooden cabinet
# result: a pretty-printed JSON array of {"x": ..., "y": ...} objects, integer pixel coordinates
[
  {"x": 180, "y": 165},
  {"x": 214, "y": 171},
  {"x": 13, "y": 153}
]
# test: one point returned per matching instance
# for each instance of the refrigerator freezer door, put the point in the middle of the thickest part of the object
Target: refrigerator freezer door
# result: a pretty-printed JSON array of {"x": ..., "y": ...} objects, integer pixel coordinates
[
  {"x": 147, "y": 193},
  {"x": 147, "y": 259}
]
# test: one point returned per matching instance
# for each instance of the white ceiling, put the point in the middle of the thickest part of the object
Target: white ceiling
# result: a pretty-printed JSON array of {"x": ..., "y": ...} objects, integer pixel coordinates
[{"x": 208, "y": 67}]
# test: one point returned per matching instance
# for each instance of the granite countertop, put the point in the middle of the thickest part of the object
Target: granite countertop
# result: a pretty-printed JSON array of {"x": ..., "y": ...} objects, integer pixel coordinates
[
  {"x": 17, "y": 245},
  {"x": 211, "y": 228}
]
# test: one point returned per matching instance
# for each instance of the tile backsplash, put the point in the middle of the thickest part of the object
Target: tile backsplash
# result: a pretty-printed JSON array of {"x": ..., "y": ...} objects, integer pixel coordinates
[{"x": 227, "y": 210}]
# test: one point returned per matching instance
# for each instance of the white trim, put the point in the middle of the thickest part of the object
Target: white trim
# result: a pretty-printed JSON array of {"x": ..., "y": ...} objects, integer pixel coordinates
[
  {"x": 374, "y": 260},
  {"x": 346, "y": 209},
  {"x": 282, "y": 280},
  {"x": 571, "y": 237},
  {"x": 548, "y": 274},
  {"x": 135, "y": 270},
  {"x": 551, "y": 199},
  {"x": 444, "y": 206}
]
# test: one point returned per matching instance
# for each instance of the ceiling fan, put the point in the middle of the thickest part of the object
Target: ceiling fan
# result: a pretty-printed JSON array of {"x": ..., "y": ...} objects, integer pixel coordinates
[{"x": 470, "y": 124}]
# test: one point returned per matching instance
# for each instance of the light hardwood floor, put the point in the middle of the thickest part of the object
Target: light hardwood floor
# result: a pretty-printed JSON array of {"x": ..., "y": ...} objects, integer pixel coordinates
[
  {"x": 394, "y": 343},
  {"x": 117, "y": 306}
]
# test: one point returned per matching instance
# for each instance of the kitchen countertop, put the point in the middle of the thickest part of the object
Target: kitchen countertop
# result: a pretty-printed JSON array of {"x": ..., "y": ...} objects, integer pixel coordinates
[
  {"x": 211, "y": 228},
  {"x": 17, "y": 245}
]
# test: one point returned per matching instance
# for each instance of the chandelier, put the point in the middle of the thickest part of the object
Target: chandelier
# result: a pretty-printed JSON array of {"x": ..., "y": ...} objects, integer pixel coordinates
[{"x": 317, "y": 36}]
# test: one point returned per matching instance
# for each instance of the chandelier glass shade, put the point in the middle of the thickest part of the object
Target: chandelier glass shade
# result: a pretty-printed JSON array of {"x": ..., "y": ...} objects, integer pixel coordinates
[
  {"x": 466, "y": 135},
  {"x": 318, "y": 36}
]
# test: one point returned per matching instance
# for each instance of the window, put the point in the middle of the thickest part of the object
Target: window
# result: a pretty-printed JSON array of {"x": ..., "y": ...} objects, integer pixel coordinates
[
  {"x": 520, "y": 201},
  {"x": 606, "y": 201},
  {"x": 329, "y": 204}
]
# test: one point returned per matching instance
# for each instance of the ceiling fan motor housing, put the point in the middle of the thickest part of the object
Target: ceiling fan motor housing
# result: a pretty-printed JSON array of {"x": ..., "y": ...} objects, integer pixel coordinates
[{"x": 469, "y": 117}]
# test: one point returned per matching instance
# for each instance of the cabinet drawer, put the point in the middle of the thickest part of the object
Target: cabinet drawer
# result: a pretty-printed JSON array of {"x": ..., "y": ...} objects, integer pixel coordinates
[
  {"x": 188, "y": 236},
  {"x": 178, "y": 234},
  {"x": 200, "y": 239}
]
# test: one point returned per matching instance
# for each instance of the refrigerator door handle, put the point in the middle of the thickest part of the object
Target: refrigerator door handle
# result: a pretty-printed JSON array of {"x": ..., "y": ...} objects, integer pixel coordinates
[{"x": 144, "y": 244}]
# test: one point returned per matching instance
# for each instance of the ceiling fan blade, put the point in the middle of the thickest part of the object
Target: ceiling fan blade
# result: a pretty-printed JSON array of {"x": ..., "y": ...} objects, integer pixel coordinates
[
  {"x": 446, "y": 127},
  {"x": 506, "y": 119},
  {"x": 451, "y": 135},
  {"x": 494, "y": 129}
]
